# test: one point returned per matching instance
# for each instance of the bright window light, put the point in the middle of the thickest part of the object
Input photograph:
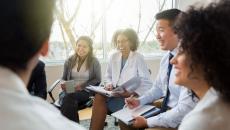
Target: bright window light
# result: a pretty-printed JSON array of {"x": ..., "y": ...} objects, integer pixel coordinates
[{"x": 99, "y": 19}]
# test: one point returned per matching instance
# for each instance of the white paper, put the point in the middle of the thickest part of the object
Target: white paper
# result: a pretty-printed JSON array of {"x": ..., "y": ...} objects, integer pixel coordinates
[
  {"x": 126, "y": 115},
  {"x": 129, "y": 86},
  {"x": 100, "y": 90},
  {"x": 70, "y": 86}
]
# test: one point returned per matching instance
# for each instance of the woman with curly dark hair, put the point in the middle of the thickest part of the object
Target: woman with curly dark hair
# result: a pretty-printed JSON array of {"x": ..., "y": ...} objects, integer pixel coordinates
[{"x": 203, "y": 65}]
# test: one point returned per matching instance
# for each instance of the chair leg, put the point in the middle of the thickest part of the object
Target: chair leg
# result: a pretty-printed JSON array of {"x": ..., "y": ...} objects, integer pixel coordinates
[
  {"x": 115, "y": 122},
  {"x": 106, "y": 124}
]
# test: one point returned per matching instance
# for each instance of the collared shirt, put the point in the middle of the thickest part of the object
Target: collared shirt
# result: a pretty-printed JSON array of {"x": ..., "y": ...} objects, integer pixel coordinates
[
  {"x": 21, "y": 111},
  {"x": 180, "y": 100},
  {"x": 211, "y": 113}
]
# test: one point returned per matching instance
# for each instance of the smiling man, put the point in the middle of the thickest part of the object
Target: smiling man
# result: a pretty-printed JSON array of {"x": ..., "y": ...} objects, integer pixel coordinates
[{"x": 177, "y": 100}]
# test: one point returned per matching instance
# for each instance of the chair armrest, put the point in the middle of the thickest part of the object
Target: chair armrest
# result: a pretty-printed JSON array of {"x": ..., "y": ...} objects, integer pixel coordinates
[
  {"x": 158, "y": 103},
  {"x": 54, "y": 85}
]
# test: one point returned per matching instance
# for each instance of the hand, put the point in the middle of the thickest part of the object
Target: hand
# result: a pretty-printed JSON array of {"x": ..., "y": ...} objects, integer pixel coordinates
[
  {"x": 78, "y": 88},
  {"x": 63, "y": 87},
  {"x": 109, "y": 87},
  {"x": 125, "y": 94},
  {"x": 132, "y": 102},
  {"x": 140, "y": 122}
]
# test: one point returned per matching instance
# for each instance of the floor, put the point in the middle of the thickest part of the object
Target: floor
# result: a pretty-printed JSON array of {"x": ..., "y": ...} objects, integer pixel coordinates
[
  {"x": 85, "y": 113},
  {"x": 85, "y": 116}
]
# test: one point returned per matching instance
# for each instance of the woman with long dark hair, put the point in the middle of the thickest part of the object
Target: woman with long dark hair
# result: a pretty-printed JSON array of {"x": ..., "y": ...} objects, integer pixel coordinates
[{"x": 84, "y": 69}]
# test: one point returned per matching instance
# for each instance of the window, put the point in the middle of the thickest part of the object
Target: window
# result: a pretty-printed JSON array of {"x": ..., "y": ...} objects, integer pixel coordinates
[{"x": 99, "y": 19}]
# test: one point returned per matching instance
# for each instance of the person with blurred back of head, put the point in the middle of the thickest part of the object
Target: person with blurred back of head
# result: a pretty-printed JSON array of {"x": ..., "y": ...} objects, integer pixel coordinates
[{"x": 25, "y": 30}]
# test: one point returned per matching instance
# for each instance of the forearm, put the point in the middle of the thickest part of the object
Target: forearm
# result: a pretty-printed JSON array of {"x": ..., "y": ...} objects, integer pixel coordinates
[
  {"x": 151, "y": 96},
  {"x": 173, "y": 117}
]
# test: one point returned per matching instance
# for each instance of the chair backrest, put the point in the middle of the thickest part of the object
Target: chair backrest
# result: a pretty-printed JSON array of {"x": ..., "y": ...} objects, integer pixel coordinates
[{"x": 51, "y": 90}]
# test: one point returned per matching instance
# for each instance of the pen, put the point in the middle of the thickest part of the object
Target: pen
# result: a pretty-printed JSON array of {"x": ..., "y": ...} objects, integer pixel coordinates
[
  {"x": 131, "y": 96},
  {"x": 126, "y": 103}
]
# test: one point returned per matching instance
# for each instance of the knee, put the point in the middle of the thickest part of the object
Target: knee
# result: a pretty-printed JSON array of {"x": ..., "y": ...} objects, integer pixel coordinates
[
  {"x": 69, "y": 99},
  {"x": 99, "y": 98}
]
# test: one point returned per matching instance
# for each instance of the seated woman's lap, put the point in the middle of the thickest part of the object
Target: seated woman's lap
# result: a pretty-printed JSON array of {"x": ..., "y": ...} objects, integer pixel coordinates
[
  {"x": 80, "y": 96},
  {"x": 115, "y": 103}
]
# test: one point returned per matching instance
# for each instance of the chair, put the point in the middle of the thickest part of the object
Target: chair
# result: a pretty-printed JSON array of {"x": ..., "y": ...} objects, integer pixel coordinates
[{"x": 55, "y": 100}]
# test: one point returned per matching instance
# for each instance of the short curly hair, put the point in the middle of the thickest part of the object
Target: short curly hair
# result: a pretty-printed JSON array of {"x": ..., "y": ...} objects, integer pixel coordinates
[
  {"x": 205, "y": 36},
  {"x": 130, "y": 34}
]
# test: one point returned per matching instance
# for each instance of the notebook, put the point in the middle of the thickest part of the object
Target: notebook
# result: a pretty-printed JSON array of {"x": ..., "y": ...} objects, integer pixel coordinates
[{"x": 127, "y": 115}]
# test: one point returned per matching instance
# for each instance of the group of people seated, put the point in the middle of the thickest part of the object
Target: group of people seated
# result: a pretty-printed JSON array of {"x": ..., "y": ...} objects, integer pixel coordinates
[{"x": 193, "y": 77}]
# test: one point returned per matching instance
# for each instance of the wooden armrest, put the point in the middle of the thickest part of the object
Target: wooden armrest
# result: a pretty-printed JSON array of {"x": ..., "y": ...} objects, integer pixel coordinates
[{"x": 158, "y": 103}]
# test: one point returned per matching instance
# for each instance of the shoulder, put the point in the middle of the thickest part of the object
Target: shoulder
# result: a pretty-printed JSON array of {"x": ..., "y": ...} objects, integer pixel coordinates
[
  {"x": 41, "y": 63},
  {"x": 40, "y": 66},
  {"x": 38, "y": 116},
  {"x": 70, "y": 59},
  {"x": 137, "y": 55},
  {"x": 95, "y": 60},
  {"x": 114, "y": 54},
  {"x": 196, "y": 121},
  {"x": 210, "y": 113},
  {"x": 164, "y": 60},
  {"x": 165, "y": 57}
]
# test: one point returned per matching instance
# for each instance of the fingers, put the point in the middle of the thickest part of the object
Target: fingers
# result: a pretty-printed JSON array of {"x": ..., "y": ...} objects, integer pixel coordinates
[
  {"x": 140, "y": 122},
  {"x": 131, "y": 102},
  {"x": 109, "y": 87},
  {"x": 63, "y": 87},
  {"x": 78, "y": 88}
]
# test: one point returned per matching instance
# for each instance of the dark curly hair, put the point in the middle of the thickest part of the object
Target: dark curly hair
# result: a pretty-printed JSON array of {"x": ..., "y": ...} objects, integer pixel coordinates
[{"x": 205, "y": 36}]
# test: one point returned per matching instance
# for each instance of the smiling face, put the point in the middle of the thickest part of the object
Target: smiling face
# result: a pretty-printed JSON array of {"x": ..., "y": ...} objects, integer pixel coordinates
[
  {"x": 165, "y": 35},
  {"x": 182, "y": 68},
  {"x": 123, "y": 44},
  {"x": 184, "y": 75},
  {"x": 82, "y": 48}
]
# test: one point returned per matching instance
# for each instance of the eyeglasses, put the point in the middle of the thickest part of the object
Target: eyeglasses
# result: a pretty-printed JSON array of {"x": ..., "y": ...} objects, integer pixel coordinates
[{"x": 122, "y": 41}]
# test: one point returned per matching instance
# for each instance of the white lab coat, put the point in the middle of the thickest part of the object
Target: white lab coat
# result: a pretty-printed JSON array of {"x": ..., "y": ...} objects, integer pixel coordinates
[{"x": 134, "y": 66}]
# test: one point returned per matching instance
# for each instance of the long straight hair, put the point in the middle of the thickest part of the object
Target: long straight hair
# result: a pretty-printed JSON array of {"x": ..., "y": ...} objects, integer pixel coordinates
[{"x": 90, "y": 55}]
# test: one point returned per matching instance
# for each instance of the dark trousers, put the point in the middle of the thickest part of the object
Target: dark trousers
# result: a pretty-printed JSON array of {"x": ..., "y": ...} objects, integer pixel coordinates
[{"x": 72, "y": 102}]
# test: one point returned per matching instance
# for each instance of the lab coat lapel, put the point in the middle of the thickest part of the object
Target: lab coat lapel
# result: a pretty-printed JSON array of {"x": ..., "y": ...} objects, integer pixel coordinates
[
  {"x": 117, "y": 65},
  {"x": 127, "y": 63}
]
